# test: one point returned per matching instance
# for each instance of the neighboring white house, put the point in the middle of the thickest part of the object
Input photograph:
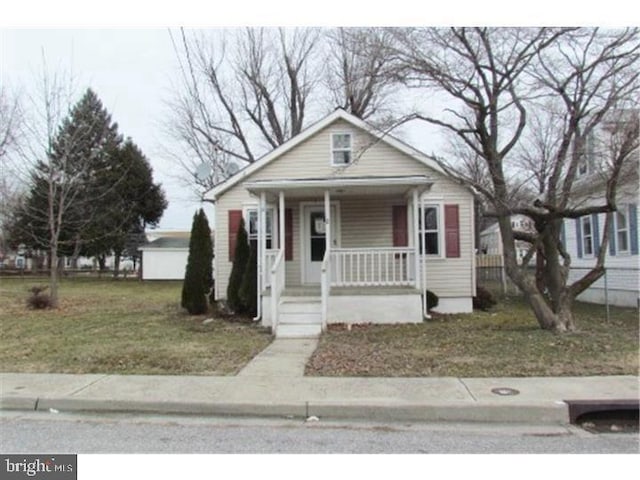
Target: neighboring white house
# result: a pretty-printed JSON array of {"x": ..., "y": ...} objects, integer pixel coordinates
[
  {"x": 389, "y": 213},
  {"x": 584, "y": 235},
  {"x": 165, "y": 258},
  {"x": 491, "y": 239}
]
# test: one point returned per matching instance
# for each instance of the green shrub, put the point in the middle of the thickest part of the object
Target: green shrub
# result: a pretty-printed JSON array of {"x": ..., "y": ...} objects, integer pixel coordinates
[
  {"x": 432, "y": 300},
  {"x": 240, "y": 258},
  {"x": 198, "y": 275},
  {"x": 249, "y": 287},
  {"x": 483, "y": 300}
]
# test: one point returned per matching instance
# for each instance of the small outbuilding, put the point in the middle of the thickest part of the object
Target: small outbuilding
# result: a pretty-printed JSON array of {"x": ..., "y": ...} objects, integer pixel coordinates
[{"x": 165, "y": 258}]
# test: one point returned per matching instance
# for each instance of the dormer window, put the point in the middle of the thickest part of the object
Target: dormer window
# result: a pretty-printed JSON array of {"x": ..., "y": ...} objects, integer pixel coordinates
[{"x": 340, "y": 149}]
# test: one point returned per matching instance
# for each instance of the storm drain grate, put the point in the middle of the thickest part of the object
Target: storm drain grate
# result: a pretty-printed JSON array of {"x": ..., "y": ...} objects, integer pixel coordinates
[{"x": 600, "y": 416}]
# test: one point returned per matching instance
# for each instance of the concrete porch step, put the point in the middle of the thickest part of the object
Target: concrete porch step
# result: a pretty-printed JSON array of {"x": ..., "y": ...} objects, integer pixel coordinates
[
  {"x": 298, "y": 330},
  {"x": 302, "y": 291},
  {"x": 305, "y": 318},
  {"x": 302, "y": 307}
]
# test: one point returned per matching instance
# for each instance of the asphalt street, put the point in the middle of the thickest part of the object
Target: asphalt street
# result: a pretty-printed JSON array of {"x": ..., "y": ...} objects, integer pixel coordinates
[{"x": 84, "y": 433}]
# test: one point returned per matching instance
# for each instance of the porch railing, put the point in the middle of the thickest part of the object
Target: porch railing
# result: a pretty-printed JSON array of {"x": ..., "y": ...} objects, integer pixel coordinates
[
  {"x": 325, "y": 287},
  {"x": 390, "y": 266},
  {"x": 270, "y": 258},
  {"x": 277, "y": 286}
]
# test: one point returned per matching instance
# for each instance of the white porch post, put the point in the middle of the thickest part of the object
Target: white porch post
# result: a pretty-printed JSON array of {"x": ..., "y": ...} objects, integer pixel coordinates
[
  {"x": 327, "y": 219},
  {"x": 416, "y": 239},
  {"x": 262, "y": 260},
  {"x": 262, "y": 232},
  {"x": 423, "y": 266},
  {"x": 281, "y": 225}
]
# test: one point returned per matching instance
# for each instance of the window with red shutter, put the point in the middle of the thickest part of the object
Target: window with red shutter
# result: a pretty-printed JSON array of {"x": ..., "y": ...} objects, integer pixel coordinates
[
  {"x": 452, "y": 230},
  {"x": 235, "y": 217},
  {"x": 400, "y": 228}
]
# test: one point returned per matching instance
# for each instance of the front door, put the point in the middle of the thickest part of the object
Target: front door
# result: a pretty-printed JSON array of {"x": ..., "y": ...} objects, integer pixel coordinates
[{"x": 314, "y": 239}]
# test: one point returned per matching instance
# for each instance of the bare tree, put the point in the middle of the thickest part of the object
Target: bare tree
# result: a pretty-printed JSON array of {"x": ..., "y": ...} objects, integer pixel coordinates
[
  {"x": 358, "y": 75},
  {"x": 11, "y": 121},
  {"x": 493, "y": 78},
  {"x": 534, "y": 159},
  {"x": 250, "y": 91},
  {"x": 63, "y": 164},
  {"x": 240, "y": 97},
  {"x": 47, "y": 108},
  {"x": 11, "y": 133}
]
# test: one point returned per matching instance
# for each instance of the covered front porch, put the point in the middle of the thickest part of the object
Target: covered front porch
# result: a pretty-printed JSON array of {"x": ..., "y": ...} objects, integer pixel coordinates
[{"x": 368, "y": 270}]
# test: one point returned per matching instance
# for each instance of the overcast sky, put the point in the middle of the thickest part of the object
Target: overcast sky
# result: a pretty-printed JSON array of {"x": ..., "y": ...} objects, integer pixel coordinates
[{"x": 131, "y": 68}]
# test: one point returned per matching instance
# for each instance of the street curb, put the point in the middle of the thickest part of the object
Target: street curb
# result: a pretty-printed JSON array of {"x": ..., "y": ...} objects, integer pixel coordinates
[
  {"x": 18, "y": 403},
  {"x": 548, "y": 413}
]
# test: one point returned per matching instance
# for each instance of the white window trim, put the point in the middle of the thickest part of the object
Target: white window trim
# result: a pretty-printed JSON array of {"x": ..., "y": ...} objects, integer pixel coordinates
[
  {"x": 274, "y": 222},
  {"x": 332, "y": 150},
  {"x": 583, "y": 236},
  {"x": 625, "y": 212},
  {"x": 441, "y": 246}
]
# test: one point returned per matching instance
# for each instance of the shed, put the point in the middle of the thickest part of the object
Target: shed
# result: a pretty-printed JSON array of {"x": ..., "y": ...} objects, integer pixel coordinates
[{"x": 165, "y": 258}]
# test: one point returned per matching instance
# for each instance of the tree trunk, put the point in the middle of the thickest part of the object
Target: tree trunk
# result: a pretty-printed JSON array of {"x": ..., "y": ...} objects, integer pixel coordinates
[
  {"x": 558, "y": 322},
  {"x": 53, "y": 277},
  {"x": 116, "y": 264},
  {"x": 75, "y": 254},
  {"x": 540, "y": 269}
]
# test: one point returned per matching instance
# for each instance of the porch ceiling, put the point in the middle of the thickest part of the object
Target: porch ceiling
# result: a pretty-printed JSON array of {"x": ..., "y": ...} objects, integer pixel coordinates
[{"x": 341, "y": 187}]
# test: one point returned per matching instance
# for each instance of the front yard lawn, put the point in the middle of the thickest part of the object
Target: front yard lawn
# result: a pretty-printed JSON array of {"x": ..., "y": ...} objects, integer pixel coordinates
[
  {"x": 124, "y": 327},
  {"x": 504, "y": 342}
]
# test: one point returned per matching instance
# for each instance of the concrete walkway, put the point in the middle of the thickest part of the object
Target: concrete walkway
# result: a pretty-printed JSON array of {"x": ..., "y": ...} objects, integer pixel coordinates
[
  {"x": 284, "y": 357},
  {"x": 538, "y": 400}
]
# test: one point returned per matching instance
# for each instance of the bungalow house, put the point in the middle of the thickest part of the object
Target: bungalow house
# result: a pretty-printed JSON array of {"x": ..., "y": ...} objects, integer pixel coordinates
[{"x": 396, "y": 226}]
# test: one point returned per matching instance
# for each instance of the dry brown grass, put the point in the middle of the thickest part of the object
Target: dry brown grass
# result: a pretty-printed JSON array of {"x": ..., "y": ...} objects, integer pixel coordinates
[
  {"x": 504, "y": 342},
  {"x": 125, "y": 326}
]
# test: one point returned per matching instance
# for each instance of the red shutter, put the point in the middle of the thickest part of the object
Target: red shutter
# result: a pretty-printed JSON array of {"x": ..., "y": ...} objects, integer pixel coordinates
[
  {"x": 235, "y": 217},
  {"x": 288, "y": 234},
  {"x": 452, "y": 231},
  {"x": 400, "y": 229}
]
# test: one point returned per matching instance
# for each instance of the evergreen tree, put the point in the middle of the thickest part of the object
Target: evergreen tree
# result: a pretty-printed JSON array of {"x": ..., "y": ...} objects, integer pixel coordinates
[
  {"x": 67, "y": 192},
  {"x": 249, "y": 286},
  {"x": 132, "y": 203},
  {"x": 240, "y": 258},
  {"x": 72, "y": 185},
  {"x": 198, "y": 276}
]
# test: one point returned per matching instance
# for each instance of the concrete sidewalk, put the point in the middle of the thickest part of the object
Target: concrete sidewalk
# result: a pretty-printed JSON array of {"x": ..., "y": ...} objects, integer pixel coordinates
[
  {"x": 539, "y": 401},
  {"x": 273, "y": 384}
]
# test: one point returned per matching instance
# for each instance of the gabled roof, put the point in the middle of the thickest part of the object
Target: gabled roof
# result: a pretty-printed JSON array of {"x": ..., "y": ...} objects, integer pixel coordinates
[
  {"x": 338, "y": 114},
  {"x": 167, "y": 243}
]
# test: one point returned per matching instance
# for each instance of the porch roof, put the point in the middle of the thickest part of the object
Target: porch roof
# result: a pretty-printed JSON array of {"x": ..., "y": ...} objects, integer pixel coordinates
[{"x": 342, "y": 186}]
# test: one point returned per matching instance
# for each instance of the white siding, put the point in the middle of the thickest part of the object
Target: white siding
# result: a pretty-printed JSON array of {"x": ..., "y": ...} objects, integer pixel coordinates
[
  {"x": 164, "y": 264},
  {"x": 365, "y": 221},
  {"x": 623, "y": 269}
]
